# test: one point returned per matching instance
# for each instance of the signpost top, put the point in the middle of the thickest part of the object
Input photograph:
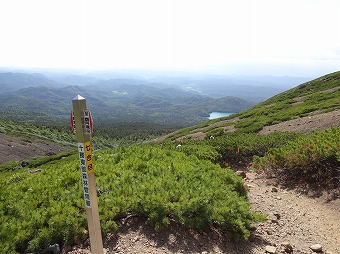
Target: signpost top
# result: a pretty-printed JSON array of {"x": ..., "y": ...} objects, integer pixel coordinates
[{"x": 78, "y": 98}]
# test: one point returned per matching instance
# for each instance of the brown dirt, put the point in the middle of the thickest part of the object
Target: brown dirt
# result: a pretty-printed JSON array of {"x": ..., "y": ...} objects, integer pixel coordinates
[
  {"x": 307, "y": 124},
  {"x": 300, "y": 220},
  {"x": 14, "y": 148}
]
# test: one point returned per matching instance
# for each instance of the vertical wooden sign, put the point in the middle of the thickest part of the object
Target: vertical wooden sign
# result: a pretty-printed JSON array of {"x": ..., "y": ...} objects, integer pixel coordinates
[{"x": 81, "y": 122}]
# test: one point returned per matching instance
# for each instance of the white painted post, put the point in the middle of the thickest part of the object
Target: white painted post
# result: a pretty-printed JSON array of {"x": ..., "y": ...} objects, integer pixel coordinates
[{"x": 82, "y": 126}]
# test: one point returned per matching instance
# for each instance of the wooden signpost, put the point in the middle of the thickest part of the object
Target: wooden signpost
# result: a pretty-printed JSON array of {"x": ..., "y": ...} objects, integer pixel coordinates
[{"x": 81, "y": 122}]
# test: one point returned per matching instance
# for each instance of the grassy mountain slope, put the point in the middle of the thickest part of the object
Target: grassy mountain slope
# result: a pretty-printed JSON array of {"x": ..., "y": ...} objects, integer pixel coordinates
[
  {"x": 317, "y": 96},
  {"x": 309, "y": 99}
]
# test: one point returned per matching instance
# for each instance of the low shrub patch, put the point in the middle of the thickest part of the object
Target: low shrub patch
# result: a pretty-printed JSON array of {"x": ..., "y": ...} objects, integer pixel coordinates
[
  {"x": 159, "y": 183},
  {"x": 309, "y": 160}
]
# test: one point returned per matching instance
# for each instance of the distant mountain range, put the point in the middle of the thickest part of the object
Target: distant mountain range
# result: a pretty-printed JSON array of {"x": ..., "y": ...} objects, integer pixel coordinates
[
  {"x": 125, "y": 97},
  {"x": 10, "y": 81},
  {"x": 38, "y": 99}
]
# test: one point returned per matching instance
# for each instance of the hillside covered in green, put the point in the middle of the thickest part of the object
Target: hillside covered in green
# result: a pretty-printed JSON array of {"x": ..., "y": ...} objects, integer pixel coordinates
[
  {"x": 35, "y": 98},
  {"x": 179, "y": 179},
  {"x": 315, "y": 97}
]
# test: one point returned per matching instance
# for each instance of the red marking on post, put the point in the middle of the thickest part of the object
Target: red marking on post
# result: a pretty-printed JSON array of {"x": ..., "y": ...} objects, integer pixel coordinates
[
  {"x": 91, "y": 122},
  {"x": 73, "y": 125}
]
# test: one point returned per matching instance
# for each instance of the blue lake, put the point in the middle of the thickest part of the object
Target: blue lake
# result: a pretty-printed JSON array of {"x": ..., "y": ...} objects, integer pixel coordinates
[{"x": 214, "y": 115}]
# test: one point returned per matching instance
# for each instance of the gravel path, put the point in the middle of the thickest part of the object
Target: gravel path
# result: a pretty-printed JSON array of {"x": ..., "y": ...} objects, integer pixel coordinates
[
  {"x": 295, "y": 223},
  {"x": 302, "y": 220}
]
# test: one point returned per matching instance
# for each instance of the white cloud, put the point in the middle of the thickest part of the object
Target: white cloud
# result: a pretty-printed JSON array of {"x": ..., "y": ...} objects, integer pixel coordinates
[{"x": 168, "y": 33}]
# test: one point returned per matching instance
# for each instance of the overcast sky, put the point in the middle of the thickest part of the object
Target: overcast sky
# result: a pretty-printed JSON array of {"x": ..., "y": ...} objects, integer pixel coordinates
[{"x": 272, "y": 37}]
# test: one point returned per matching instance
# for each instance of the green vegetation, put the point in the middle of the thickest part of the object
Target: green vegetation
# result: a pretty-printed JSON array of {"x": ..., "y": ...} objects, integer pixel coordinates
[
  {"x": 106, "y": 135},
  {"x": 249, "y": 145},
  {"x": 154, "y": 181},
  {"x": 131, "y": 102},
  {"x": 40, "y": 208},
  {"x": 309, "y": 160},
  {"x": 189, "y": 182},
  {"x": 30, "y": 132},
  {"x": 321, "y": 94},
  {"x": 34, "y": 162},
  {"x": 165, "y": 184},
  {"x": 160, "y": 182}
]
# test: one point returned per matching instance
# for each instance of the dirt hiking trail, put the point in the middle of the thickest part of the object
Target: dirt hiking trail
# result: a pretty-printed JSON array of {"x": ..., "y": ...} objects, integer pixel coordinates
[{"x": 295, "y": 222}]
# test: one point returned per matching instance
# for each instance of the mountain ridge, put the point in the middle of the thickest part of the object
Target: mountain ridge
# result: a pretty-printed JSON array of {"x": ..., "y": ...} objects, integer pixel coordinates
[
  {"x": 118, "y": 101},
  {"x": 305, "y": 101}
]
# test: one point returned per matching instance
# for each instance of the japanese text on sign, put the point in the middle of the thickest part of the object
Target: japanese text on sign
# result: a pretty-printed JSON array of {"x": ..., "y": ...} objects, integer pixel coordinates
[
  {"x": 84, "y": 174},
  {"x": 88, "y": 157},
  {"x": 87, "y": 122}
]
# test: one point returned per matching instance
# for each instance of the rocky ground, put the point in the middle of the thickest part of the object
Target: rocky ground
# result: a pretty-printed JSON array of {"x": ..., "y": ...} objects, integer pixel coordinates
[
  {"x": 14, "y": 148},
  {"x": 296, "y": 222},
  {"x": 307, "y": 124}
]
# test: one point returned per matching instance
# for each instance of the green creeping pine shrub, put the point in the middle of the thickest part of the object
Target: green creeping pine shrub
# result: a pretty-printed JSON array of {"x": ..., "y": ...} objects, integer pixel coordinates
[
  {"x": 214, "y": 132},
  {"x": 311, "y": 159},
  {"x": 163, "y": 183},
  {"x": 35, "y": 162},
  {"x": 44, "y": 159},
  {"x": 159, "y": 183},
  {"x": 250, "y": 144},
  {"x": 8, "y": 166},
  {"x": 42, "y": 208}
]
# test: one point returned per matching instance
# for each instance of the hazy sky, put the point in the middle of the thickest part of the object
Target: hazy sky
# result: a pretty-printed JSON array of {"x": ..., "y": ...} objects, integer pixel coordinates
[{"x": 273, "y": 37}]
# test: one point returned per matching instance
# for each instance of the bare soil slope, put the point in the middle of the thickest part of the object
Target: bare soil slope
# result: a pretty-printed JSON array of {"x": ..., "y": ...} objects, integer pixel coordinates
[
  {"x": 307, "y": 124},
  {"x": 14, "y": 148}
]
